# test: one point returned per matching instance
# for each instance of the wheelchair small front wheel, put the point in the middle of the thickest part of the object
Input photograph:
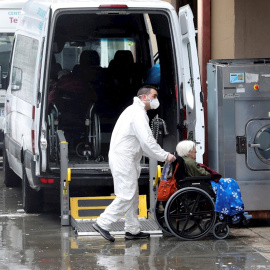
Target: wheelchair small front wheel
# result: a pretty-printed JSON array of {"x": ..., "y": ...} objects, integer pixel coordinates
[
  {"x": 83, "y": 150},
  {"x": 221, "y": 230}
]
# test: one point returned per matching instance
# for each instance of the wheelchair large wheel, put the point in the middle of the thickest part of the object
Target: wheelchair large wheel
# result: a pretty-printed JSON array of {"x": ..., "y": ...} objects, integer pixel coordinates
[
  {"x": 53, "y": 125},
  {"x": 190, "y": 213},
  {"x": 96, "y": 135},
  {"x": 160, "y": 218}
]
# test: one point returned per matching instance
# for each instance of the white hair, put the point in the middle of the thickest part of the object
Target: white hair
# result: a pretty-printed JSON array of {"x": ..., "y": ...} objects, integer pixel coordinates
[{"x": 184, "y": 147}]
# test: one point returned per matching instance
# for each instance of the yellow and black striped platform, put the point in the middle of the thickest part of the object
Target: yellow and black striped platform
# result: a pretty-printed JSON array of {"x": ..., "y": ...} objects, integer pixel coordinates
[
  {"x": 85, "y": 210},
  {"x": 92, "y": 207}
]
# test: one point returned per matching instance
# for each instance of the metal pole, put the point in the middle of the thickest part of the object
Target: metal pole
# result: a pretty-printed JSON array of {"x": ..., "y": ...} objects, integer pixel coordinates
[
  {"x": 152, "y": 190},
  {"x": 64, "y": 187}
]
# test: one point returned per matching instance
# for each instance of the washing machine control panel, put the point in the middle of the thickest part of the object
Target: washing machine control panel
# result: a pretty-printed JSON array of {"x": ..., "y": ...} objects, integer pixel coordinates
[{"x": 241, "y": 144}]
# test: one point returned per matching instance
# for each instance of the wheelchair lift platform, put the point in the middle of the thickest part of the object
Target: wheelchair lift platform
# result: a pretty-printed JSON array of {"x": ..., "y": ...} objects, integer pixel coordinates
[
  {"x": 82, "y": 212},
  {"x": 83, "y": 227},
  {"x": 85, "y": 210}
]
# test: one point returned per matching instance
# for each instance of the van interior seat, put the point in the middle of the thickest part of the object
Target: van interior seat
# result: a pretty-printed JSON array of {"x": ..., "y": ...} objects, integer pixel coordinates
[
  {"x": 120, "y": 75},
  {"x": 90, "y": 71},
  {"x": 121, "y": 68},
  {"x": 122, "y": 84},
  {"x": 89, "y": 68},
  {"x": 124, "y": 71},
  {"x": 70, "y": 95}
]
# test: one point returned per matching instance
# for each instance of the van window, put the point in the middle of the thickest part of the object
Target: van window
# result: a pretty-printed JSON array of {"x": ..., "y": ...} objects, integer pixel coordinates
[
  {"x": 6, "y": 40},
  {"x": 24, "y": 66},
  {"x": 105, "y": 47}
]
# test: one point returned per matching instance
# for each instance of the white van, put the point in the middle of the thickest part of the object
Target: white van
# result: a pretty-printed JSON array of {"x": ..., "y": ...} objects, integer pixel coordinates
[
  {"x": 9, "y": 16},
  {"x": 75, "y": 66}
]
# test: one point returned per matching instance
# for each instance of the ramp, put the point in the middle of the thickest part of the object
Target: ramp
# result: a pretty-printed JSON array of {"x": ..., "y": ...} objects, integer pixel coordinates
[
  {"x": 85, "y": 210},
  {"x": 84, "y": 227}
]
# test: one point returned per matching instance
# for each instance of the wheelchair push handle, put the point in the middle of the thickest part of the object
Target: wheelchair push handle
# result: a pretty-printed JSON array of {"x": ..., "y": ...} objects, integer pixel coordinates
[
  {"x": 163, "y": 174},
  {"x": 167, "y": 171}
]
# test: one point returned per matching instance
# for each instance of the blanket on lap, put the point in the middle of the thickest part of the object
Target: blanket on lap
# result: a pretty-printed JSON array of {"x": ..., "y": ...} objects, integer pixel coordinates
[{"x": 228, "y": 199}]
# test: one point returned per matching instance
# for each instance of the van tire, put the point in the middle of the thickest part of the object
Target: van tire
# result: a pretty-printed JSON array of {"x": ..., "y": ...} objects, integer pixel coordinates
[
  {"x": 11, "y": 179},
  {"x": 32, "y": 199}
]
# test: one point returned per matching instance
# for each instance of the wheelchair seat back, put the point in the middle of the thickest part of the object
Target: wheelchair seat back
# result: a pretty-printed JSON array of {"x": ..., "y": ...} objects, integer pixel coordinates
[{"x": 183, "y": 180}]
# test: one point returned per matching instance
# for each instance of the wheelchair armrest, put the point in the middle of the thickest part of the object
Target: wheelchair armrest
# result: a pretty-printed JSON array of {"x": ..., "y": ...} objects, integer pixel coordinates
[
  {"x": 206, "y": 177},
  {"x": 202, "y": 182}
]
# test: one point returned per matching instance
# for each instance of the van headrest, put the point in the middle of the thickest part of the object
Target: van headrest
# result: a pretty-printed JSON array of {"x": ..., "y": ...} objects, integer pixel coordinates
[
  {"x": 89, "y": 58},
  {"x": 124, "y": 57}
]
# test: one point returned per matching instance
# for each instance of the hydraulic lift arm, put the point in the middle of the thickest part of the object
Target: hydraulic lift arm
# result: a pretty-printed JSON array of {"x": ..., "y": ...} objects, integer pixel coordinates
[{"x": 65, "y": 177}]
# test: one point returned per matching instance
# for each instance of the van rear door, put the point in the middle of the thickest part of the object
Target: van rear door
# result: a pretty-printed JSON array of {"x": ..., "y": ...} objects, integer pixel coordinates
[
  {"x": 191, "y": 81},
  {"x": 41, "y": 12}
]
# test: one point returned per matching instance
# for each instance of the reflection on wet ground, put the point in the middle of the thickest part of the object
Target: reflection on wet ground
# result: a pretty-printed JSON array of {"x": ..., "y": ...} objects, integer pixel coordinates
[{"x": 39, "y": 242}]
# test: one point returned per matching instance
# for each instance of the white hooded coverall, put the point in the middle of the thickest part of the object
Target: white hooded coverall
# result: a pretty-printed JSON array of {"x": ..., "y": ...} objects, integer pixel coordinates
[{"x": 131, "y": 139}]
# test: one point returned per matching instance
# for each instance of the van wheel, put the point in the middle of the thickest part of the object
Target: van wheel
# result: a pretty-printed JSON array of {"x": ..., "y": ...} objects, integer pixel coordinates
[
  {"x": 32, "y": 199},
  {"x": 11, "y": 179}
]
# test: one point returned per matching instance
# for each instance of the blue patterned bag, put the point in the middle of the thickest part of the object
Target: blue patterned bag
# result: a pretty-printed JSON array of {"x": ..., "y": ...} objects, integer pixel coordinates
[{"x": 228, "y": 199}]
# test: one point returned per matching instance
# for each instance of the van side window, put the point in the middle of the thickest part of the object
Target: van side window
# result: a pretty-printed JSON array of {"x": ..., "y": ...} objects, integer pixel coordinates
[
  {"x": 23, "y": 68},
  {"x": 6, "y": 40}
]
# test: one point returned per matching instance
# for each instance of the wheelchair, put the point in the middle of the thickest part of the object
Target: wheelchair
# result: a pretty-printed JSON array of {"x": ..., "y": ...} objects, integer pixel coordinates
[
  {"x": 90, "y": 147},
  {"x": 189, "y": 214},
  {"x": 82, "y": 131}
]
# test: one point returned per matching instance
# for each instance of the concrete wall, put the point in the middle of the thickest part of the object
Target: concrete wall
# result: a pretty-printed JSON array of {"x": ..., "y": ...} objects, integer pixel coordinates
[
  {"x": 222, "y": 29},
  {"x": 252, "y": 31},
  {"x": 240, "y": 29},
  {"x": 174, "y": 3}
]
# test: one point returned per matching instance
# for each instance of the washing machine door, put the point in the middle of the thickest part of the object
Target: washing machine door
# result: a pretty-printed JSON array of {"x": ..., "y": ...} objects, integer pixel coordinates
[{"x": 258, "y": 144}]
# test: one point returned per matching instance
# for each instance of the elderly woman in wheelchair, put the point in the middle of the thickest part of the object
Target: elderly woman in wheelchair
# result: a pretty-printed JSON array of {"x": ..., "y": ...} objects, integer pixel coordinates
[{"x": 203, "y": 201}]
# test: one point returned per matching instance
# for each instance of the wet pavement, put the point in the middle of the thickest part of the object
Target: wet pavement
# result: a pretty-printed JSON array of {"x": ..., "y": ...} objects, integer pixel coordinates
[{"x": 38, "y": 242}]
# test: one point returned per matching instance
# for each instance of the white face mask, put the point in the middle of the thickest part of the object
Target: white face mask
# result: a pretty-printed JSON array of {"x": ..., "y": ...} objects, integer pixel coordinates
[{"x": 154, "y": 103}]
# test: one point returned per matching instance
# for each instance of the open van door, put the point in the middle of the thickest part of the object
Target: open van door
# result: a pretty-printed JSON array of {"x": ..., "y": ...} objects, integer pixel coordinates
[
  {"x": 41, "y": 128},
  {"x": 39, "y": 24},
  {"x": 191, "y": 82}
]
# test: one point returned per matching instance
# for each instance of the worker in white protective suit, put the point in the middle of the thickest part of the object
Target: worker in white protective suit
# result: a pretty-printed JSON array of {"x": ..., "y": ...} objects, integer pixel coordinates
[{"x": 131, "y": 139}]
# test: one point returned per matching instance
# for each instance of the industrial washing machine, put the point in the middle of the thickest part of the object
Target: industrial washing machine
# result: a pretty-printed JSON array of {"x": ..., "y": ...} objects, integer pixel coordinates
[{"x": 238, "y": 106}]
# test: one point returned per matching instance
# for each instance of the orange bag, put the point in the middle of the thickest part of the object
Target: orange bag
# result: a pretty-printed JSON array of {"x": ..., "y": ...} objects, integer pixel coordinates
[{"x": 167, "y": 188}]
